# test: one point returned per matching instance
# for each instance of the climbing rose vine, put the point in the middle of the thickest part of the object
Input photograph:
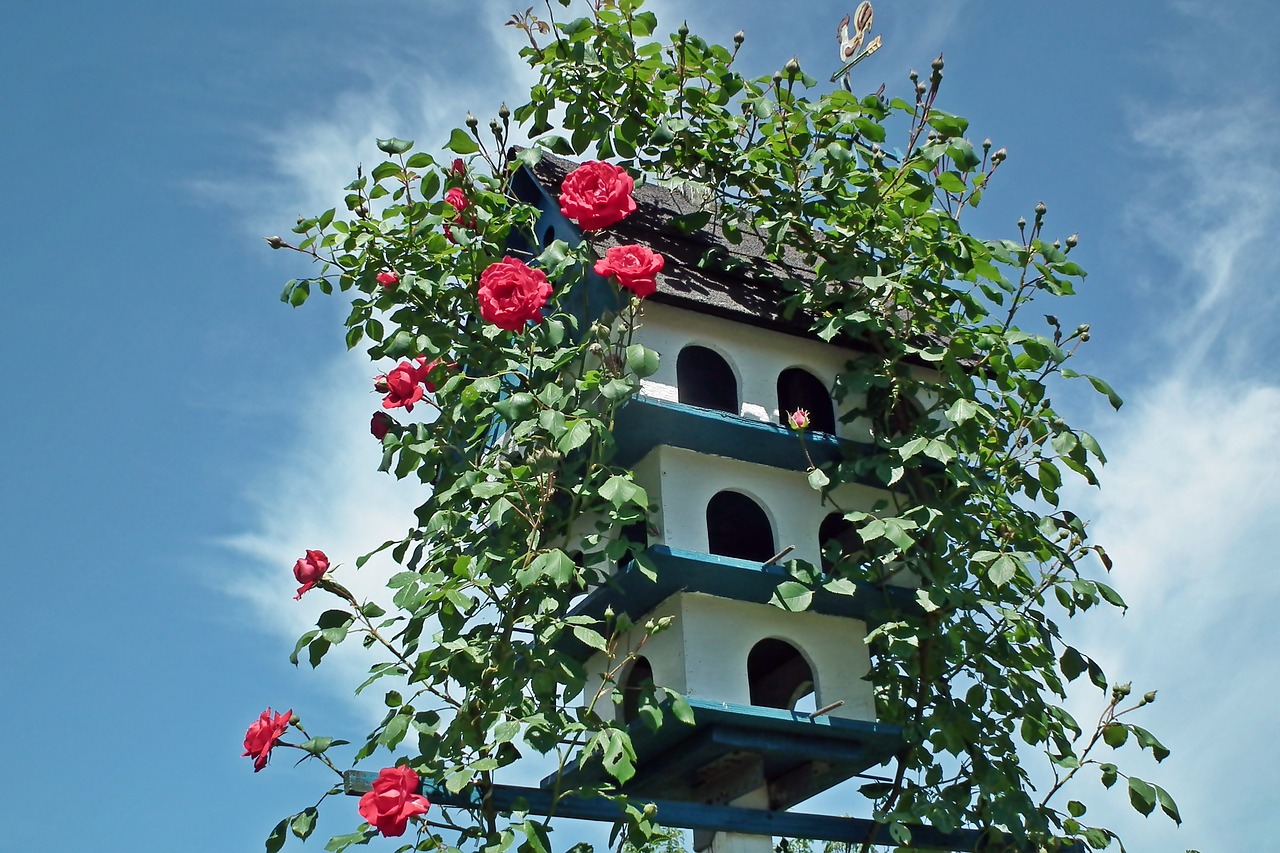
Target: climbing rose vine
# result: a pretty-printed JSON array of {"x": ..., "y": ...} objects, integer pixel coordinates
[{"x": 855, "y": 201}]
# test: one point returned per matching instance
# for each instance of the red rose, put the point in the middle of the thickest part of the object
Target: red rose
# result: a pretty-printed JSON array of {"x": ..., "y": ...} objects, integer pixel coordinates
[
  {"x": 799, "y": 419},
  {"x": 264, "y": 733},
  {"x": 459, "y": 167},
  {"x": 596, "y": 195},
  {"x": 403, "y": 384},
  {"x": 458, "y": 199},
  {"x": 310, "y": 569},
  {"x": 381, "y": 425},
  {"x": 392, "y": 800},
  {"x": 511, "y": 294},
  {"x": 387, "y": 278},
  {"x": 635, "y": 267}
]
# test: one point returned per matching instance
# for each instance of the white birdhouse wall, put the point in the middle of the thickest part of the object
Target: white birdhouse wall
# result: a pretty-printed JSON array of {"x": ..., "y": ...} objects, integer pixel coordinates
[
  {"x": 756, "y": 356},
  {"x": 682, "y": 483},
  {"x": 717, "y": 647}
]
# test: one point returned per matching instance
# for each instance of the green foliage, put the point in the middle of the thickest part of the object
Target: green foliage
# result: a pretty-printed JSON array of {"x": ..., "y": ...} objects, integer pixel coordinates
[{"x": 518, "y": 462}]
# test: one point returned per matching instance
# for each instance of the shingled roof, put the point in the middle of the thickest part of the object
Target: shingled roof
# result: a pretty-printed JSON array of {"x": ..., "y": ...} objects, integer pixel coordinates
[{"x": 704, "y": 271}]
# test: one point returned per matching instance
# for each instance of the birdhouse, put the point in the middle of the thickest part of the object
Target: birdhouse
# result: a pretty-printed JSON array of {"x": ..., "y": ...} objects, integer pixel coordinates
[{"x": 777, "y": 684}]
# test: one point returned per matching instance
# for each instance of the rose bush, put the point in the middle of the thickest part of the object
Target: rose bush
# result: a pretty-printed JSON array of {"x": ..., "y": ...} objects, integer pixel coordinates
[
  {"x": 596, "y": 195},
  {"x": 263, "y": 735},
  {"x": 512, "y": 293},
  {"x": 309, "y": 569},
  {"x": 392, "y": 800},
  {"x": 635, "y": 267},
  {"x": 457, "y": 199}
]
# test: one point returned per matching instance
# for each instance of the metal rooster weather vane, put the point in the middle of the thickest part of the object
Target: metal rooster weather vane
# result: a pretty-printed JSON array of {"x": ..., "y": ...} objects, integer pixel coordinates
[{"x": 849, "y": 55}]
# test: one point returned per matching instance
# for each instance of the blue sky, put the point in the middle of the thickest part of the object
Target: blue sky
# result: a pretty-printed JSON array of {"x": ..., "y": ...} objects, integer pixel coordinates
[{"x": 174, "y": 437}]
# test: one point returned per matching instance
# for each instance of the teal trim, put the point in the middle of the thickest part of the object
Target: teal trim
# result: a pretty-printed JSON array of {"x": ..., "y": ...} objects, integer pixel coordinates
[
  {"x": 646, "y": 422},
  {"x": 507, "y": 799},
  {"x": 635, "y": 593},
  {"x": 794, "y": 754}
]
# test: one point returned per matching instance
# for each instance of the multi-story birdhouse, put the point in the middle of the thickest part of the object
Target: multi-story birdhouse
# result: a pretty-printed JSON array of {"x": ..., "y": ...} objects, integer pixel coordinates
[{"x": 731, "y": 503}]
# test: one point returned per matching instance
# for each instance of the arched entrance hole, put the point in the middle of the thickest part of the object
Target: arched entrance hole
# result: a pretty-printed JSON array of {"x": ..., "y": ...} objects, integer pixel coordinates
[
  {"x": 705, "y": 379},
  {"x": 778, "y": 675},
  {"x": 800, "y": 389},
  {"x": 738, "y": 527}
]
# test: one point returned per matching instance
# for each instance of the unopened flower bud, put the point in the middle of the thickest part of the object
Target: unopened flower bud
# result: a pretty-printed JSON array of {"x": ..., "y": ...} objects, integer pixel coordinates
[
  {"x": 608, "y": 612},
  {"x": 999, "y": 156},
  {"x": 472, "y": 121},
  {"x": 274, "y": 242},
  {"x": 777, "y": 78},
  {"x": 1084, "y": 336},
  {"x": 1022, "y": 223},
  {"x": 683, "y": 32},
  {"x": 1057, "y": 244},
  {"x": 380, "y": 383},
  {"x": 1072, "y": 241},
  {"x": 1041, "y": 210},
  {"x": 650, "y": 810},
  {"x": 739, "y": 37},
  {"x": 1122, "y": 690},
  {"x": 301, "y": 219},
  {"x": 1148, "y": 698},
  {"x": 362, "y": 211},
  {"x": 921, "y": 89},
  {"x": 937, "y": 64},
  {"x": 295, "y": 720},
  {"x": 503, "y": 112},
  {"x": 986, "y": 144},
  {"x": 792, "y": 67},
  {"x": 913, "y": 76}
]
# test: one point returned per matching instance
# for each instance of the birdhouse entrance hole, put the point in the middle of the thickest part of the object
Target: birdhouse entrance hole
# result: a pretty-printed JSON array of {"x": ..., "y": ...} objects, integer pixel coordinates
[
  {"x": 738, "y": 527},
  {"x": 639, "y": 677},
  {"x": 778, "y": 675},
  {"x": 800, "y": 389},
  {"x": 706, "y": 380}
]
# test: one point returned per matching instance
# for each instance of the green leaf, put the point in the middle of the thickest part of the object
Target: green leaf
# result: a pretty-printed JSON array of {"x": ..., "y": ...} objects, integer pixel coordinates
[
  {"x": 642, "y": 360},
  {"x": 395, "y": 146},
  {"x": 951, "y": 182},
  {"x": 1003, "y": 570},
  {"x": 304, "y": 823},
  {"x": 460, "y": 142},
  {"x": 818, "y": 480},
  {"x": 963, "y": 155},
  {"x": 589, "y": 637},
  {"x": 576, "y": 436},
  {"x": 1147, "y": 740},
  {"x": 792, "y": 596},
  {"x": 1115, "y": 734},
  {"x": 316, "y": 745},
  {"x": 620, "y": 491},
  {"x": 276, "y": 839},
  {"x": 1167, "y": 805},
  {"x": 1103, "y": 388},
  {"x": 682, "y": 710},
  {"x": 1142, "y": 795}
]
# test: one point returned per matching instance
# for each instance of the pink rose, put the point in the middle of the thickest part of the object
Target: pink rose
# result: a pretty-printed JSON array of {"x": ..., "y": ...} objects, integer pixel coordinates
[
  {"x": 511, "y": 294},
  {"x": 596, "y": 195},
  {"x": 263, "y": 734},
  {"x": 634, "y": 266},
  {"x": 381, "y": 425},
  {"x": 392, "y": 800},
  {"x": 799, "y": 419},
  {"x": 387, "y": 278},
  {"x": 309, "y": 569}
]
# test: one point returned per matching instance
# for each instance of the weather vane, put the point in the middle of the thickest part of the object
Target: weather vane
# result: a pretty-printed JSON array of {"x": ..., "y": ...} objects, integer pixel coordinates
[{"x": 849, "y": 55}]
